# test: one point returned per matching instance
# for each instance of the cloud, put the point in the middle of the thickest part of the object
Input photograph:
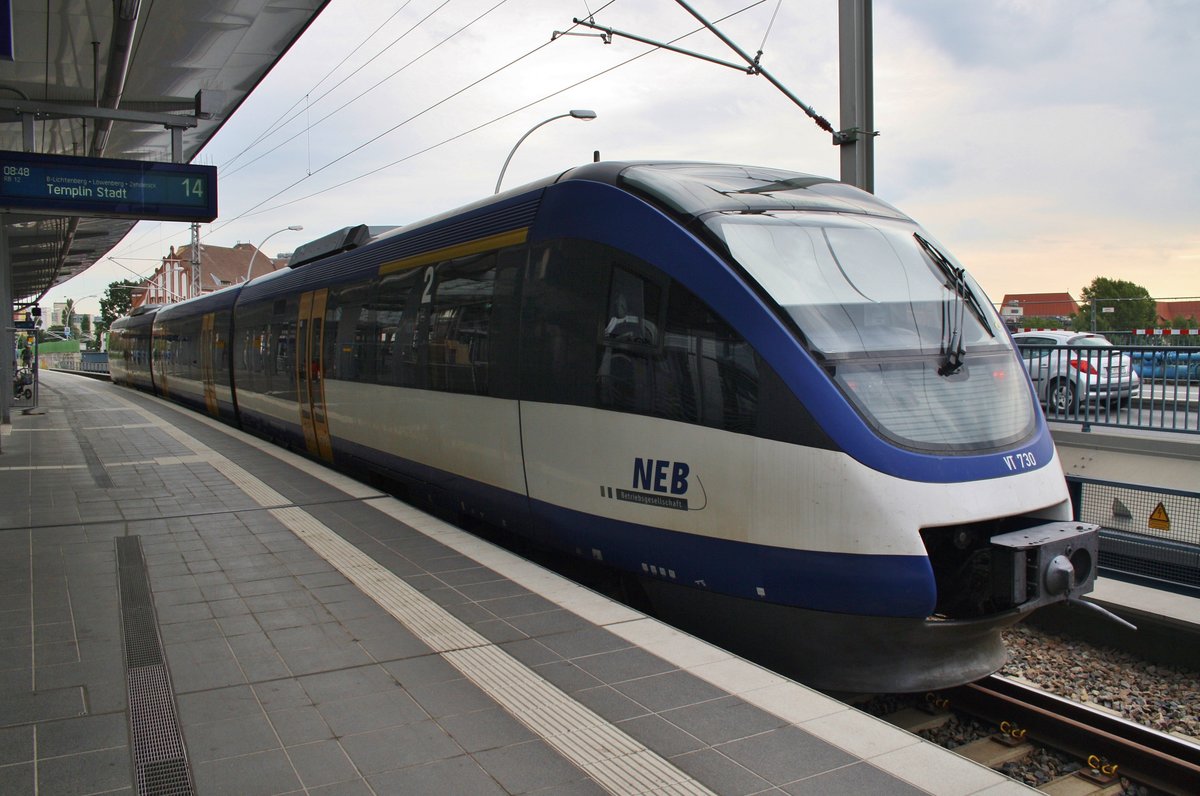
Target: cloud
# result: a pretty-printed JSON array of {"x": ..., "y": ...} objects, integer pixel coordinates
[
  {"x": 1044, "y": 143},
  {"x": 1064, "y": 133}
]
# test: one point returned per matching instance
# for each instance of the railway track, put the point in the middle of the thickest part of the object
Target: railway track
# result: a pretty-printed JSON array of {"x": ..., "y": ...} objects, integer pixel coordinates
[{"x": 1111, "y": 746}]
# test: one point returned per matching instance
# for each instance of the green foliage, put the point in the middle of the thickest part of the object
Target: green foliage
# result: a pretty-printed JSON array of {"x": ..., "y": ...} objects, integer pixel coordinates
[
  {"x": 1039, "y": 322},
  {"x": 1131, "y": 306},
  {"x": 53, "y": 333},
  {"x": 117, "y": 301},
  {"x": 1183, "y": 341},
  {"x": 52, "y": 346}
]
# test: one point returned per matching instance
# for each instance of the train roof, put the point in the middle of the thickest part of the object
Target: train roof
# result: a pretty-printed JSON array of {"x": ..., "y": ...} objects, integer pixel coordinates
[
  {"x": 683, "y": 189},
  {"x": 140, "y": 316},
  {"x": 209, "y": 302},
  {"x": 694, "y": 189}
]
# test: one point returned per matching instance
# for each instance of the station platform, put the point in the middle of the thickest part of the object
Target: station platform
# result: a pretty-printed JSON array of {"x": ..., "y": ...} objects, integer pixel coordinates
[{"x": 185, "y": 604}]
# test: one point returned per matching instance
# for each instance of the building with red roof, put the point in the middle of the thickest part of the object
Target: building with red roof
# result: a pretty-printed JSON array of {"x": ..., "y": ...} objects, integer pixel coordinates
[
  {"x": 220, "y": 267},
  {"x": 1168, "y": 311},
  {"x": 1037, "y": 305}
]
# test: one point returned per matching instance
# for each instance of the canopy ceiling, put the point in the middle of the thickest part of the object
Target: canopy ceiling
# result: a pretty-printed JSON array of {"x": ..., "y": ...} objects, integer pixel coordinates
[{"x": 152, "y": 55}]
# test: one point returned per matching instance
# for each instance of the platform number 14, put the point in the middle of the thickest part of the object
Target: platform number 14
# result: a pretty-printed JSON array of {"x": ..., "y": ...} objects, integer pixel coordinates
[{"x": 193, "y": 187}]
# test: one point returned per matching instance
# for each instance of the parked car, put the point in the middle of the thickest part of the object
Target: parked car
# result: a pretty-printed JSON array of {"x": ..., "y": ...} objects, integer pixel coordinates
[{"x": 1070, "y": 369}]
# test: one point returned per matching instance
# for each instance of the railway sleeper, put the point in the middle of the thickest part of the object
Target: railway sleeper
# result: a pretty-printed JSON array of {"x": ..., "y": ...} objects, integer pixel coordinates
[
  {"x": 1083, "y": 783},
  {"x": 995, "y": 750},
  {"x": 918, "y": 719}
]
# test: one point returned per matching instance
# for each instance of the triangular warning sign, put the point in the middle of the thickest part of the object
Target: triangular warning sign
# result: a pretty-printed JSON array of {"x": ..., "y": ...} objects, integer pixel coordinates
[
  {"x": 1119, "y": 509},
  {"x": 1159, "y": 520}
]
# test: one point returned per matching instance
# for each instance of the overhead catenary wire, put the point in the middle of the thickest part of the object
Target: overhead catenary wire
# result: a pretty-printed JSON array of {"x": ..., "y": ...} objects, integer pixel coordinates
[
  {"x": 348, "y": 153},
  {"x": 753, "y": 67},
  {"x": 308, "y": 126},
  {"x": 309, "y": 171},
  {"x": 251, "y": 211},
  {"x": 770, "y": 25},
  {"x": 280, "y": 121},
  {"x": 388, "y": 131},
  {"x": 254, "y": 209}
]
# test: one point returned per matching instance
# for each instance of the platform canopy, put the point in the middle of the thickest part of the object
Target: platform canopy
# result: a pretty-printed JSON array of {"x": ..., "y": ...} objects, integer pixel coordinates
[{"x": 142, "y": 56}]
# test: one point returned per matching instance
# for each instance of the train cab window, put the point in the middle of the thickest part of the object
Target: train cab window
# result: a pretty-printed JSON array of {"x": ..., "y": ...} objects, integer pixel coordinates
[
  {"x": 630, "y": 300},
  {"x": 711, "y": 375},
  {"x": 626, "y": 375}
]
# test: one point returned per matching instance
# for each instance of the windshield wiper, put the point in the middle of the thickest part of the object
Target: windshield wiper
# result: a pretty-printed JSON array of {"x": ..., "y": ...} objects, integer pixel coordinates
[{"x": 956, "y": 281}]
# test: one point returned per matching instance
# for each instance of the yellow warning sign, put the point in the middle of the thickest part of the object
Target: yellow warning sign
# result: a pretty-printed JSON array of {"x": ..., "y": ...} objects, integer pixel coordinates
[{"x": 1159, "y": 520}]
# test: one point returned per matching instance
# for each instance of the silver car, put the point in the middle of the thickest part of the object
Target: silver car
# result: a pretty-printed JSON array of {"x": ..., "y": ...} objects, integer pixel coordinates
[{"x": 1070, "y": 369}]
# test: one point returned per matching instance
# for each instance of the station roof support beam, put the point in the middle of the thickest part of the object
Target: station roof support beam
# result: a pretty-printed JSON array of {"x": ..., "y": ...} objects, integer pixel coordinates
[{"x": 30, "y": 110}]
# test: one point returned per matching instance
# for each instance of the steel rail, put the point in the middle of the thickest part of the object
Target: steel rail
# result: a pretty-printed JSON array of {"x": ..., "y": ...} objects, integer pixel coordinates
[{"x": 1154, "y": 758}]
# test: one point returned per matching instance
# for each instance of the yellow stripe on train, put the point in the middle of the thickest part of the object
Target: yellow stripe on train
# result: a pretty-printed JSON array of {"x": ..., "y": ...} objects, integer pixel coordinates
[{"x": 511, "y": 238}]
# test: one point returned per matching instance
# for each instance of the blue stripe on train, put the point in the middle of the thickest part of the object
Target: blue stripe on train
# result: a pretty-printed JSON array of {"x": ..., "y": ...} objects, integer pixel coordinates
[{"x": 875, "y": 585}]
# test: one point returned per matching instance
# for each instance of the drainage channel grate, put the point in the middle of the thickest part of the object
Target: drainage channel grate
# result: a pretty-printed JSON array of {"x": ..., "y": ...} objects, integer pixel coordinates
[{"x": 159, "y": 757}]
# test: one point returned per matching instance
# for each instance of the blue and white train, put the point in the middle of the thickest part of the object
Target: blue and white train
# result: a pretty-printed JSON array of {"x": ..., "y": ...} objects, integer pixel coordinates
[{"x": 773, "y": 399}]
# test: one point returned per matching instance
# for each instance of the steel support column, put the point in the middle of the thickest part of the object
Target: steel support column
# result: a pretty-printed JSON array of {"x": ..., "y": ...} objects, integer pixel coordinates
[
  {"x": 7, "y": 365},
  {"x": 857, "y": 136}
]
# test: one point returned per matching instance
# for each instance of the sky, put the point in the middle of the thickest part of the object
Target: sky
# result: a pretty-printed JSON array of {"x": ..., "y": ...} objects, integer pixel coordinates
[{"x": 1045, "y": 144}]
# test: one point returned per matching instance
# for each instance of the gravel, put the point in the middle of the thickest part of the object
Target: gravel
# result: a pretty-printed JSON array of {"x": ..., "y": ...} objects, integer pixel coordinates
[{"x": 1160, "y": 697}]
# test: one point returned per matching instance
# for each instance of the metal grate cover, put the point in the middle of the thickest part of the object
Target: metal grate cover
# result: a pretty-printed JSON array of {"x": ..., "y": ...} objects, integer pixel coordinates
[
  {"x": 1150, "y": 532},
  {"x": 159, "y": 757}
]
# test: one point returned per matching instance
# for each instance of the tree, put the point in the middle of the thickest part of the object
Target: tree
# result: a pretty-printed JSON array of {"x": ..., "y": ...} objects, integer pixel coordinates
[
  {"x": 68, "y": 313},
  {"x": 1131, "y": 306},
  {"x": 1181, "y": 322},
  {"x": 1039, "y": 322},
  {"x": 117, "y": 301},
  {"x": 1182, "y": 341}
]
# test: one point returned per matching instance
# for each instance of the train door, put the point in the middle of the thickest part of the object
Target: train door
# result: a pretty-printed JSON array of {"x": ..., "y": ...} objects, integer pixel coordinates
[
  {"x": 208, "y": 344},
  {"x": 310, "y": 373}
]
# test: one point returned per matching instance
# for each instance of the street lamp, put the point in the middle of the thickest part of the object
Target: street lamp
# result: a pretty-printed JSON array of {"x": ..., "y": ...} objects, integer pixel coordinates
[
  {"x": 587, "y": 116},
  {"x": 250, "y": 267}
]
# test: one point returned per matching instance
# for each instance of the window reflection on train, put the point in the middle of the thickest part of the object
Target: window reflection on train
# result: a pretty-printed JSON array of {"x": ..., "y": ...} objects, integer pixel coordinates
[{"x": 601, "y": 332}]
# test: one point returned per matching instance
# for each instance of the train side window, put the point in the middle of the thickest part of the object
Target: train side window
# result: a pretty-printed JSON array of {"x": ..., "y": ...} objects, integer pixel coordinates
[
  {"x": 350, "y": 336},
  {"x": 397, "y": 309},
  {"x": 253, "y": 335},
  {"x": 282, "y": 375},
  {"x": 220, "y": 340},
  {"x": 459, "y": 324},
  {"x": 563, "y": 303},
  {"x": 504, "y": 328}
]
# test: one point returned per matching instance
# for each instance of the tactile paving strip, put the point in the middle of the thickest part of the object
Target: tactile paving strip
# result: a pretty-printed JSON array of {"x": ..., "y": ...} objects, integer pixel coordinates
[{"x": 617, "y": 762}]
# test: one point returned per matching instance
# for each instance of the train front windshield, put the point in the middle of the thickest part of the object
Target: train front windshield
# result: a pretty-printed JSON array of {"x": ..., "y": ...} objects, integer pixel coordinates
[{"x": 903, "y": 331}]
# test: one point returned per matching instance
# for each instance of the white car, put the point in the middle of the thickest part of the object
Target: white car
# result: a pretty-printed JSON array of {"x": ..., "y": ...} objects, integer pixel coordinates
[{"x": 1070, "y": 369}]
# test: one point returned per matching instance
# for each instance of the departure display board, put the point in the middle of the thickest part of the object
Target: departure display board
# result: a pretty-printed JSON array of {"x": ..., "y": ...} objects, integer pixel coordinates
[{"x": 107, "y": 188}]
